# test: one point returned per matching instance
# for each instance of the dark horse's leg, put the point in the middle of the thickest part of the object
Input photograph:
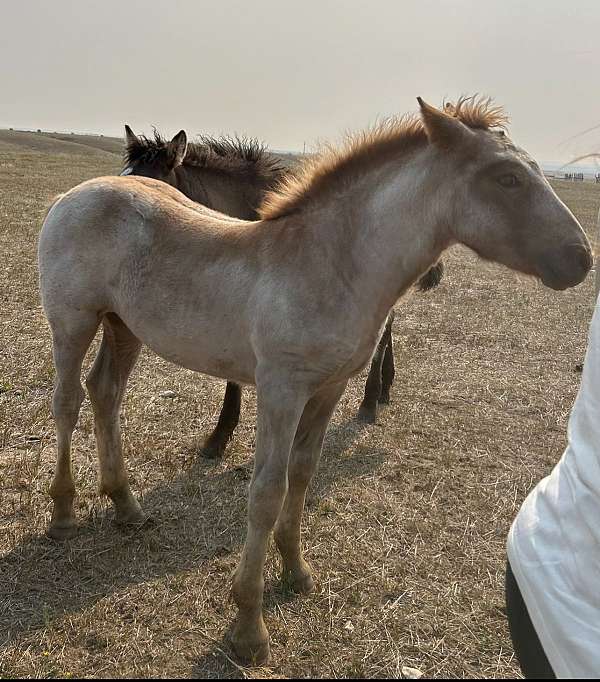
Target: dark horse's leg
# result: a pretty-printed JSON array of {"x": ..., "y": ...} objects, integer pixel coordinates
[
  {"x": 382, "y": 372},
  {"x": 388, "y": 371},
  {"x": 373, "y": 387},
  {"x": 216, "y": 443},
  {"x": 431, "y": 278}
]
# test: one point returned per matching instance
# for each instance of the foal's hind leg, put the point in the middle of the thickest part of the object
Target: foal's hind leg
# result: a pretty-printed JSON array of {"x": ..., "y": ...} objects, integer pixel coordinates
[
  {"x": 106, "y": 384},
  {"x": 215, "y": 444},
  {"x": 304, "y": 458},
  {"x": 72, "y": 334}
]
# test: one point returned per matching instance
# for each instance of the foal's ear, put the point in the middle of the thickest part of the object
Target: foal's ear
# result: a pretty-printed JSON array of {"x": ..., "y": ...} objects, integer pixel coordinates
[
  {"x": 130, "y": 137},
  {"x": 442, "y": 130},
  {"x": 176, "y": 149}
]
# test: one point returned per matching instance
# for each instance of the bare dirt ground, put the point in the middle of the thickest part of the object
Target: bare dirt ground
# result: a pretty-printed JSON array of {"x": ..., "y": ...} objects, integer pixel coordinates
[{"x": 406, "y": 522}]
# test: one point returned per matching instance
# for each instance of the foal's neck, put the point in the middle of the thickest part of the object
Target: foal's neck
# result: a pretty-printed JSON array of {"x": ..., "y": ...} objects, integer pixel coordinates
[{"x": 390, "y": 226}]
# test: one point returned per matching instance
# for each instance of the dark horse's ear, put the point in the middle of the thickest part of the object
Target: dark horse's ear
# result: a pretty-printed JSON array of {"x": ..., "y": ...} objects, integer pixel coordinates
[
  {"x": 442, "y": 130},
  {"x": 130, "y": 137},
  {"x": 176, "y": 149}
]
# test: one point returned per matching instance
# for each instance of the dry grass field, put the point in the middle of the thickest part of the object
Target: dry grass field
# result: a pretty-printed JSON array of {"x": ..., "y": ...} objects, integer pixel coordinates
[{"x": 406, "y": 521}]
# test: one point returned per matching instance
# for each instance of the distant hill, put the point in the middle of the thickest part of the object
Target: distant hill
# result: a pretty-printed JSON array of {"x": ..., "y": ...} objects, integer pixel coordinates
[
  {"x": 107, "y": 144},
  {"x": 61, "y": 143}
]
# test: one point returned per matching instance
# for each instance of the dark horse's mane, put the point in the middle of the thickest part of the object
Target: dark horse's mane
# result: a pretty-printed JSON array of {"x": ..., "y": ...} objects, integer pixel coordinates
[{"x": 229, "y": 154}]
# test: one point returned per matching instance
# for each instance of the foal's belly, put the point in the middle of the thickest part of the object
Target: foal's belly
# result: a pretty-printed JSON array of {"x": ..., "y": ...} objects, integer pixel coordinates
[{"x": 207, "y": 348}]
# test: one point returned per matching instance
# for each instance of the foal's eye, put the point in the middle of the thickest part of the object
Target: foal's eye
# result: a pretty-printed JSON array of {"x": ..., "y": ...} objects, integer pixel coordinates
[{"x": 509, "y": 180}]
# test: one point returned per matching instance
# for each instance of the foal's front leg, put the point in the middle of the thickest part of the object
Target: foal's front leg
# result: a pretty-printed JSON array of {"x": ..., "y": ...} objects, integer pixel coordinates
[
  {"x": 304, "y": 459},
  {"x": 279, "y": 411}
]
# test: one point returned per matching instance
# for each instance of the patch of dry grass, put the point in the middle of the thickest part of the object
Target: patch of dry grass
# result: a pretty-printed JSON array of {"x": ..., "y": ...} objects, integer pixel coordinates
[{"x": 406, "y": 521}]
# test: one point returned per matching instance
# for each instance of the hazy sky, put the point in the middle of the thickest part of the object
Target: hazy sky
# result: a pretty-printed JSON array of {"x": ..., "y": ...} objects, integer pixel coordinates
[{"x": 296, "y": 72}]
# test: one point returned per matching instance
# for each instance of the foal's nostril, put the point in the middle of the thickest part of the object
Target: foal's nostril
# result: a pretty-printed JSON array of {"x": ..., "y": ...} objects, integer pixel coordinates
[{"x": 584, "y": 258}]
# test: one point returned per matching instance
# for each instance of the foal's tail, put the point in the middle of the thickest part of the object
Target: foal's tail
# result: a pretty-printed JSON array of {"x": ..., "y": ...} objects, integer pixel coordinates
[{"x": 431, "y": 278}]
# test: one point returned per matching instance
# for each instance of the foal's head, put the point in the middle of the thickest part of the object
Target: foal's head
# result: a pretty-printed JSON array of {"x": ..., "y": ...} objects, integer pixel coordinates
[
  {"x": 502, "y": 206},
  {"x": 154, "y": 158}
]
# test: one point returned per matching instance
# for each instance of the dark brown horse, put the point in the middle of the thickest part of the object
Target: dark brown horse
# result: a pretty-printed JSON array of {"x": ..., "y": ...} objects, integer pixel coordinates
[{"x": 232, "y": 175}]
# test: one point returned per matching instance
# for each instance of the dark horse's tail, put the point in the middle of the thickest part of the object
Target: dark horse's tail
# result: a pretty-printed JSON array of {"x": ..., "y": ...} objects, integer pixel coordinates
[{"x": 431, "y": 278}]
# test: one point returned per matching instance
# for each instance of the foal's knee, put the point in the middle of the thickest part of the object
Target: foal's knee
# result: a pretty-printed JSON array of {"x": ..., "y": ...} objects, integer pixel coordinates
[
  {"x": 104, "y": 391},
  {"x": 265, "y": 501},
  {"x": 302, "y": 464},
  {"x": 95, "y": 384},
  {"x": 66, "y": 403}
]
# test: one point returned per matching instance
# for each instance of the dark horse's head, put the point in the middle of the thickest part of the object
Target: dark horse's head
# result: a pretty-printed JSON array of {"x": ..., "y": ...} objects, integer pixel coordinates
[
  {"x": 229, "y": 174},
  {"x": 154, "y": 157}
]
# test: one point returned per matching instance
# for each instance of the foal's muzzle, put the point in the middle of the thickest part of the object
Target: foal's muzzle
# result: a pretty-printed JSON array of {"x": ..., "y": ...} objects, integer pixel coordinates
[{"x": 569, "y": 270}]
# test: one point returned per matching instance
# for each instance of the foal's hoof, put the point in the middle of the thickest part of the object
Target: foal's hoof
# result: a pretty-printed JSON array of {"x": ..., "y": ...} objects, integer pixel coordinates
[
  {"x": 251, "y": 651},
  {"x": 253, "y": 656},
  {"x": 301, "y": 583},
  {"x": 63, "y": 530},
  {"x": 133, "y": 520},
  {"x": 367, "y": 414}
]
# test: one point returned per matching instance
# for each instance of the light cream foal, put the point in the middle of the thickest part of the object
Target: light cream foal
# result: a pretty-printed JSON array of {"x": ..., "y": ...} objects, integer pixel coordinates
[{"x": 293, "y": 303}]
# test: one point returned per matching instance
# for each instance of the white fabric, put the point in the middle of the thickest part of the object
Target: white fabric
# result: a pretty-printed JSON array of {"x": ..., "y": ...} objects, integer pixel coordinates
[{"x": 554, "y": 542}]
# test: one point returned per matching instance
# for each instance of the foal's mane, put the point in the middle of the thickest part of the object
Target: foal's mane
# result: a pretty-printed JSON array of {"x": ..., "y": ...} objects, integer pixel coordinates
[
  {"x": 386, "y": 140},
  {"x": 227, "y": 154}
]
